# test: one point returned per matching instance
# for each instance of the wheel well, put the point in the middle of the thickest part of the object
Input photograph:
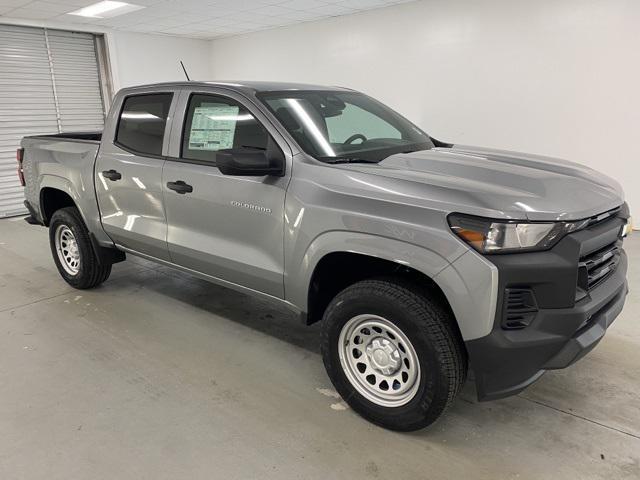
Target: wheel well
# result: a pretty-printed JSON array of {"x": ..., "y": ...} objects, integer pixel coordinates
[
  {"x": 336, "y": 271},
  {"x": 52, "y": 199}
]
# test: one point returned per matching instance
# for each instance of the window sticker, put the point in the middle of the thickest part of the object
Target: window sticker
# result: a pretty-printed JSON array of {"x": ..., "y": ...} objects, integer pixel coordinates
[{"x": 213, "y": 127}]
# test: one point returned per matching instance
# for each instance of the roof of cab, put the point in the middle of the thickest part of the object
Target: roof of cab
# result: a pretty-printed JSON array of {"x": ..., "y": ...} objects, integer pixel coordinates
[{"x": 246, "y": 87}]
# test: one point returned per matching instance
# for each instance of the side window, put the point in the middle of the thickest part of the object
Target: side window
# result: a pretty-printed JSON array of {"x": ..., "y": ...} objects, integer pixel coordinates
[
  {"x": 142, "y": 122},
  {"x": 217, "y": 123},
  {"x": 353, "y": 120}
]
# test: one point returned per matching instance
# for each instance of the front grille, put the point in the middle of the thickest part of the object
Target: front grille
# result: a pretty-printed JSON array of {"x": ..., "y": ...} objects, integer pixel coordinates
[
  {"x": 597, "y": 219},
  {"x": 597, "y": 266}
]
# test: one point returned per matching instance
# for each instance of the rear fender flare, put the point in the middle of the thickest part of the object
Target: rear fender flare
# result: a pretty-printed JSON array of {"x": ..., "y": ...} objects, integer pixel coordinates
[
  {"x": 85, "y": 203},
  {"x": 58, "y": 183}
]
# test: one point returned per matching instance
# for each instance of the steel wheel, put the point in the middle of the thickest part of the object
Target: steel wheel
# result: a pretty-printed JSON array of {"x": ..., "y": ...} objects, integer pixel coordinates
[
  {"x": 67, "y": 249},
  {"x": 379, "y": 360}
]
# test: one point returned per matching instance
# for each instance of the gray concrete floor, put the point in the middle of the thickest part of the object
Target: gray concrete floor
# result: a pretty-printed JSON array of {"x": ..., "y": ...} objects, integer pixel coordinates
[{"x": 157, "y": 375}]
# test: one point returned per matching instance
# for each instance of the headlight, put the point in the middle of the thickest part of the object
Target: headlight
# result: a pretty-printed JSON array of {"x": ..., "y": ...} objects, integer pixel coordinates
[
  {"x": 501, "y": 236},
  {"x": 626, "y": 228}
]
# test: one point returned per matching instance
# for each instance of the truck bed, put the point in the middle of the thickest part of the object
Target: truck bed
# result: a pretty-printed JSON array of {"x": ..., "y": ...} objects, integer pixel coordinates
[{"x": 64, "y": 162}]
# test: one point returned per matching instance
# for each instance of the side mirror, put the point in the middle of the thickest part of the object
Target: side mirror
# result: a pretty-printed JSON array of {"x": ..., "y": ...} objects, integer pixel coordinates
[{"x": 251, "y": 161}]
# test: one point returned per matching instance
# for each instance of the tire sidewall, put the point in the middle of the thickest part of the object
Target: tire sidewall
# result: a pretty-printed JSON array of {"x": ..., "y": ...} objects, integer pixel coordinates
[
  {"x": 417, "y": 412},
  {"x": 65, "y": 217}
]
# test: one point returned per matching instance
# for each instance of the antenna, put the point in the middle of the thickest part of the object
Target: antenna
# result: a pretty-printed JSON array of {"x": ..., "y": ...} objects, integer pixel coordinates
[{"x": 185, "y": 71}]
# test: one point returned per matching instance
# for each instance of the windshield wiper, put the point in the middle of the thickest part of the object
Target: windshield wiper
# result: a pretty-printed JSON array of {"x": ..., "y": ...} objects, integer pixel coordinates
[{"x": 335, "y": 160}]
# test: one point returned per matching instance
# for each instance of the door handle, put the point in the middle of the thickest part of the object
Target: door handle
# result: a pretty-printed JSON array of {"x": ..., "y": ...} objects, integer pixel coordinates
[
  {"x": 180, "y": 187},
  {"x": 112, "y": 175}
]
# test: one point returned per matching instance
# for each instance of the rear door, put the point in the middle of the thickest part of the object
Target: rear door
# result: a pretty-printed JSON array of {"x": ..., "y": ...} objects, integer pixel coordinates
[
  {"x": 229, "y": 227},
  {"x": 129, "y": 173}
]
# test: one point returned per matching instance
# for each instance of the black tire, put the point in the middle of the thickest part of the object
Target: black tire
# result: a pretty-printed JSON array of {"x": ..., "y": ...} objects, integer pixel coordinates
[
  {"x": 426, "y": 324},
  {"x": 91, "y": 272}
]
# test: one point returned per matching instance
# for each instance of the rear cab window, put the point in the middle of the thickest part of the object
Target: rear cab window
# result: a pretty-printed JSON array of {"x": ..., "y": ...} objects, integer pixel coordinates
[{"x": 142, "y": 123}]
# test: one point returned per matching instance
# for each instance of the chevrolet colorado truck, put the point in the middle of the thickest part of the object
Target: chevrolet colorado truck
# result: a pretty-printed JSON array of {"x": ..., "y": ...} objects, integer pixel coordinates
[{"x": 422, "y": 259}]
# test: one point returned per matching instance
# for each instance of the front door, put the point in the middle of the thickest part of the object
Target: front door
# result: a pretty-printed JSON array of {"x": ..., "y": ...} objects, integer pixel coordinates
[
  {"x": 129, "y": 175},
  {"x": 229, "y": 227}
]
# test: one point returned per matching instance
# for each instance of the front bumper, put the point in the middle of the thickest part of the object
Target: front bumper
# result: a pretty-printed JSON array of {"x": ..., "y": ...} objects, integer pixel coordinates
[{"x": 567, "y": 324}]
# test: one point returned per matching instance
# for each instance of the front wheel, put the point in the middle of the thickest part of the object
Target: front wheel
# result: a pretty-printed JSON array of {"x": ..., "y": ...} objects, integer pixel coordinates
[
  {"x": 392, "y": 354},
  {"x": 72, "y": 251}
]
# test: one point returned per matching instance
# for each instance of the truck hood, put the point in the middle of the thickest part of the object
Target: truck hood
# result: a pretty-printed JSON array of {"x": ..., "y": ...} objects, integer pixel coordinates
[{"x": 501, "y": 184}]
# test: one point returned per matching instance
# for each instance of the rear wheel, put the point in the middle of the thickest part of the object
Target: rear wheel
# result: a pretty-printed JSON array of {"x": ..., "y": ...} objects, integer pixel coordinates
[
  {"x": 73, "y": 252},
  {"x": 392, "y": 354}
]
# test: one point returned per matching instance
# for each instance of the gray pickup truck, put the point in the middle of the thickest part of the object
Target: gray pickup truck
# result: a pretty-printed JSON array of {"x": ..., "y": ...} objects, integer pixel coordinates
[{"x": 422, "y": 259}]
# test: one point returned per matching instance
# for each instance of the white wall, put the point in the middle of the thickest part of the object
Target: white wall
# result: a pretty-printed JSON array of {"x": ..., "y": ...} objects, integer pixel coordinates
[
  {"x": 138, "y": 58},
  {"x": 559, "y": 78}
]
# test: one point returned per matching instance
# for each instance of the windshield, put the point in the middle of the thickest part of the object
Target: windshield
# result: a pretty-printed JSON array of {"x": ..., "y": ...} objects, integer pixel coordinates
[{"x": 338, "y": 126}]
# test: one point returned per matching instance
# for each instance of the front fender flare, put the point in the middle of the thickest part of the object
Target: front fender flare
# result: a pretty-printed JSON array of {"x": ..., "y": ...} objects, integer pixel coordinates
[
  {"x": 299, "y": 271},
  {"x": 469, "y": 283}
]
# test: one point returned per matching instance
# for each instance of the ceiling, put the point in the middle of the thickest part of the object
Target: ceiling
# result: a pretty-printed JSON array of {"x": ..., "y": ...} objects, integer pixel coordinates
[{"x": 194, "y": 18}]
